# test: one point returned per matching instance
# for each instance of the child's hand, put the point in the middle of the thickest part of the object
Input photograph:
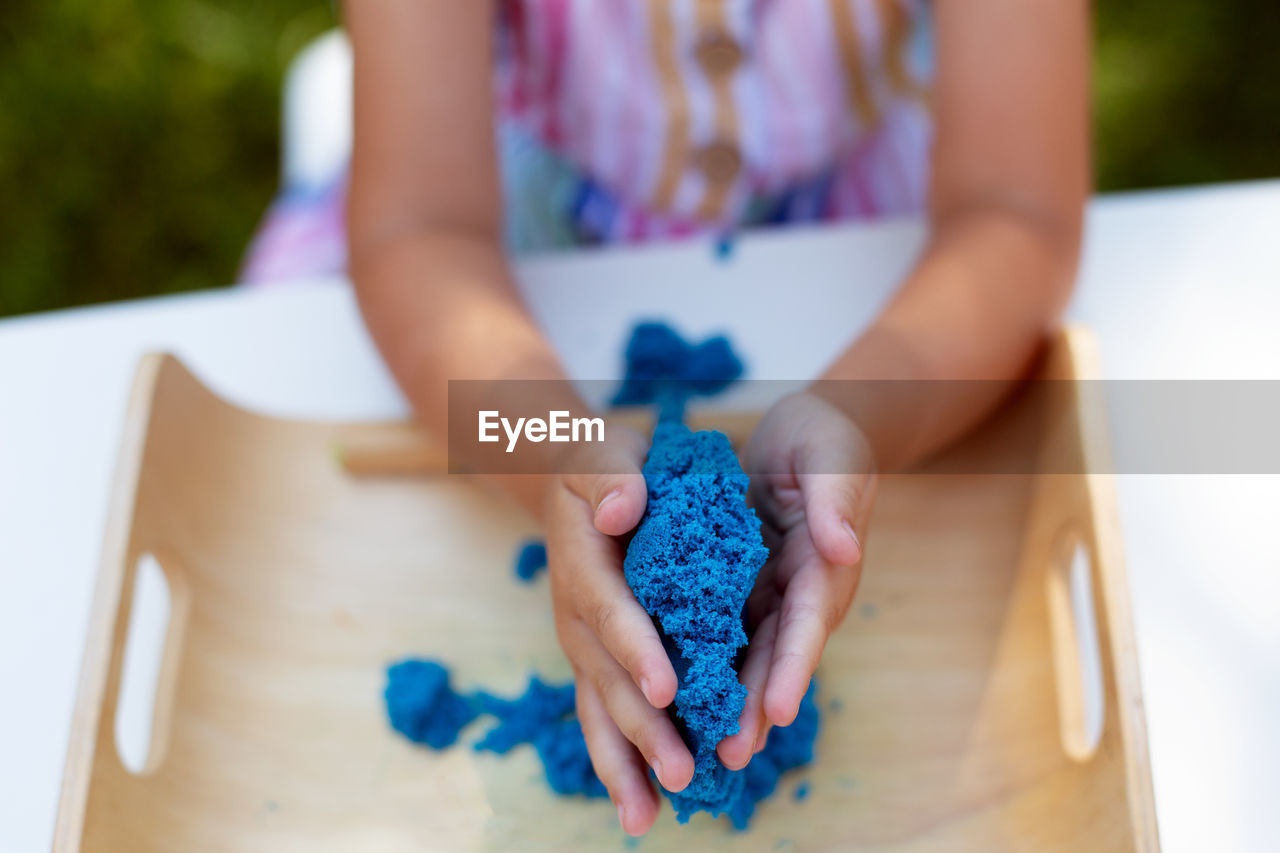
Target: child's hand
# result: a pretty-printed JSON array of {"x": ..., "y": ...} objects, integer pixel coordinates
[
  {"x": 623, "y": 675},
  {"x": 812, "y": 484}
]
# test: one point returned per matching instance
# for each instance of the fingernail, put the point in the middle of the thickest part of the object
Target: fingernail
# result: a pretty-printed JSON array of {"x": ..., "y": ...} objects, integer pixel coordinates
[
  {"x": 622, "y": 815},
  {"x": 604, "y": 500},
  {"x": 849, "y": 528},
  {"x": 644, "y": 688},
  {"x": 657, "y": 768}
]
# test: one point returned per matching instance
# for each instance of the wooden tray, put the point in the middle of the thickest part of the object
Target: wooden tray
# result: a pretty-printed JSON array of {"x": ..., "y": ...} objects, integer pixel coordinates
[{"x": 953, "y": 711}]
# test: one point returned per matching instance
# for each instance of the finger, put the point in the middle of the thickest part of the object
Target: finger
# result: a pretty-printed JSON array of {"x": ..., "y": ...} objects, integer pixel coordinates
[
  {"x": 837, "y": 496},
  {"x": 777, "y": 497},
  {"x": 608, "y": 478},
  {"x": 764, "y": 598},
  {"x": 648, "y": 728},
  {"x": 736, "y": 750},
  {"x": 833, "y": 510},
  {"x": 600, "y": 597},
  {"x": 771, "y": 529},
  {"x": 816, "y": 600},
  {"x": 617, "y": 763},
  {"x": 794, "y": 551},
  {"x": 607, "y": 605}
]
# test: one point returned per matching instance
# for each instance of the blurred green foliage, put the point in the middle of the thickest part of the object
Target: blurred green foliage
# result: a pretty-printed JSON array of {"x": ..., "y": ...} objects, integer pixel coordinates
[
  {"x": 138, "y": 138},
  {"x": 138, "y": 141},
  {"x": 1185, "y": 91}
]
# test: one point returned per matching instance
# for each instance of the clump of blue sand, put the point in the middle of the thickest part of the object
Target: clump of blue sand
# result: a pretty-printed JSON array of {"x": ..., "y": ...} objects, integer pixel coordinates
[
  {"x": 691, "y": 563},
  {"x": 531, "y": 559},
  {"x": 663, "y": 368},
  {"x": 424, "y": 707}
]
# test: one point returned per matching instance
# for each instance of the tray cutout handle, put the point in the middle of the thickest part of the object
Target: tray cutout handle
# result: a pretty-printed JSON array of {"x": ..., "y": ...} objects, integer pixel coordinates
[
  {"x": 141, "y": 708},
  {"x": 1077, "y": 657}
]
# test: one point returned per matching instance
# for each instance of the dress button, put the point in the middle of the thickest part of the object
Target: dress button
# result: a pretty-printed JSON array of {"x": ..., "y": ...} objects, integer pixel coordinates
[
  {"x": 719, "y": 161},
  {"x": 718, "y": 53}
]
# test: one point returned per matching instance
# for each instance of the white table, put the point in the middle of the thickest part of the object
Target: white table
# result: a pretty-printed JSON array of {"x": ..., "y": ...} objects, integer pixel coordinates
[{"x": 1177, "y": 284}]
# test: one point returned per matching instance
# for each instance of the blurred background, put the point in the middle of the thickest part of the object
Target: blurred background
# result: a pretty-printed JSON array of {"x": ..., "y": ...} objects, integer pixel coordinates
[{"x": 139, "y": 138}]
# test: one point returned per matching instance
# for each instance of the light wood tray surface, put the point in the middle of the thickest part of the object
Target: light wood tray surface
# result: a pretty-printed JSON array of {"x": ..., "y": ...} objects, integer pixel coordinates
[{"x": 951, "y": 716}]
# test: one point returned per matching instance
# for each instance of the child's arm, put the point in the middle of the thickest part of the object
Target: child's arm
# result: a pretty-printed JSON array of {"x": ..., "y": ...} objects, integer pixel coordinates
[
  {"x": 425, "y": 206},
  {"x": 438, "y": 297},
  {"x": 1010, "y": 178},
  {"x": 1011, "y": 175}
]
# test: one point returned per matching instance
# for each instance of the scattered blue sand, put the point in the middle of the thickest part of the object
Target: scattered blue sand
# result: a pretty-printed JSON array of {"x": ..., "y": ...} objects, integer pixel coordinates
[
  {"x": 802, "y": 792},
  {"x": 423, "y": 706},
  {"x": 520, "y": 720},
  {"x": 663, "y": 368},
  {"x": 724, "y": 247},
  {"x": 544, "y": 717},
  {"x": 531, "y": 560},
  {"x": 419, "y": 691},
  {"x": 566, "y": 760},
  {"x": 786, "y": 749},
  {"x": 691, "y": 563}
]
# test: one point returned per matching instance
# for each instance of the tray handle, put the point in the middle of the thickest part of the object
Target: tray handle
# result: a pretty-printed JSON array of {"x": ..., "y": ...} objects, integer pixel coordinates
[
  {"x": 163, "y": 695},
  {"x": 1070, "y": 584},
  {"x": 133, "y": 533},
  {"x": 1085, "y": 521},
  {"x": 1094, "y": 650},
  {"x": 127, "y": 538}
]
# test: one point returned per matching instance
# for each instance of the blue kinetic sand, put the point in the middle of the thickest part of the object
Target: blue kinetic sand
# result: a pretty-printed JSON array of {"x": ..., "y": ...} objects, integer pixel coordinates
[
  {"x": 531, "y": 560},
  {"x": 724, "y": 246},
  {"x": 566, "y": 761},
  {"x": 423, "y": 706},
  {"x": 786, "y": 749},
  {"x": 520, "y": 720},
  {"x": 692, "y": 562},
  {"x": 544, "y": 717},
  {"x": 663, "y": 368},
  {"x": 425, "y": 709}
]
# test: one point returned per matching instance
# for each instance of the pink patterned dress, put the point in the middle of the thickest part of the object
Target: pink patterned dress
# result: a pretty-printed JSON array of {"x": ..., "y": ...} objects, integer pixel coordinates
[{"x": 635, "y": 120}]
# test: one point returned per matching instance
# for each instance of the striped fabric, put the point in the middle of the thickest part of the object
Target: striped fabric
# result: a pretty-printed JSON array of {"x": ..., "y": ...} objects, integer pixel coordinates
[
  {"x": 635, "y": 120},
  {"x": 690, "y": 114}
]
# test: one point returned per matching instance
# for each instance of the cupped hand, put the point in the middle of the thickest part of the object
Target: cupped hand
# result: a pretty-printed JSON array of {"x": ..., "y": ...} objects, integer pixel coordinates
[
  {"x": 624, "y": 678},
  {"x": 812, "y": 484}
]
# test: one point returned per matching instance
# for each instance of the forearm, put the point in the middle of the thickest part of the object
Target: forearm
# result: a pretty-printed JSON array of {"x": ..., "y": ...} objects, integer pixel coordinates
[
  {"x": 424, "y": 225},
  {"x": 441, "y": 306},
  {"x": 977, "y": 306}
]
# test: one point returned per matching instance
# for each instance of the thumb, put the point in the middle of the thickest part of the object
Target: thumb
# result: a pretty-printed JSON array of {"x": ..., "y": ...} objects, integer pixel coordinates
[
  {"x": 607, "y": 476},
  {"x": 837, "y": 486}
]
